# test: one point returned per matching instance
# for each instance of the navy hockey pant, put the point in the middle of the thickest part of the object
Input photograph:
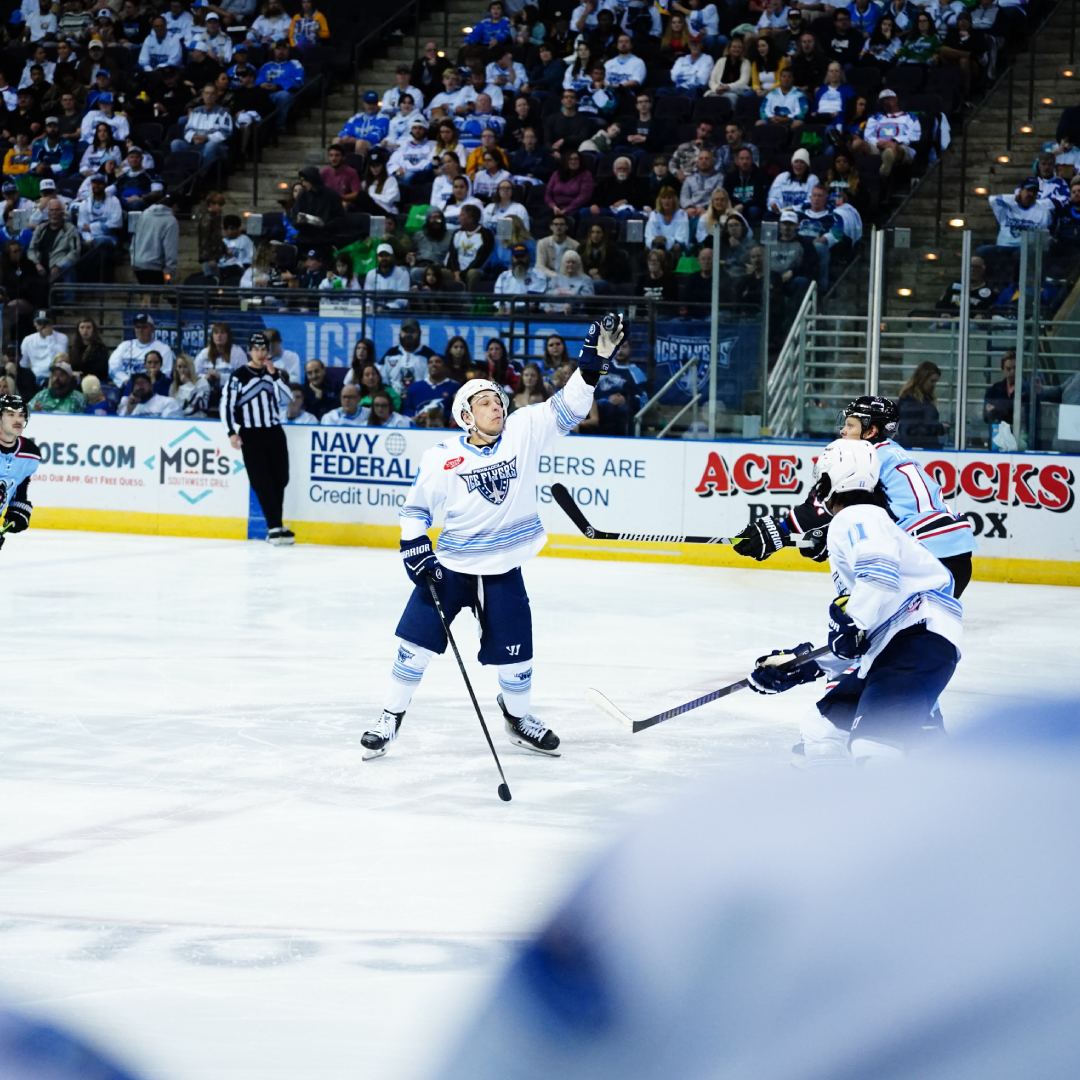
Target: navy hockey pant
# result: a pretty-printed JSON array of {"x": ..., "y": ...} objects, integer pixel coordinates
[
  {"x": 499, "y": 601},
  {"x": 893, "y": 703}
]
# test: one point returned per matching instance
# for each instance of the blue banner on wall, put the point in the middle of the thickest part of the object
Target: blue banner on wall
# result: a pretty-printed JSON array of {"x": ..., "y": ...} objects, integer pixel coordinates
[{"x": 738, "y": 359}]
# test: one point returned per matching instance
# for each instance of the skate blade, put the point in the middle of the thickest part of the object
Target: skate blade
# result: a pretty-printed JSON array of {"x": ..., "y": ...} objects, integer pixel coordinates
[
  {"x": 371, "y": 755},
  {"x": 535, "y": 749}
]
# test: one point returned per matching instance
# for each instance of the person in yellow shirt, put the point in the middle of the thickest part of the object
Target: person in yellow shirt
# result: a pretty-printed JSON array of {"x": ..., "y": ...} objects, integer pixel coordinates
[
  {"x": 476, "y": 158},
  {"x": 17, "y": 159},
  {"x": 309, "y": 27}
]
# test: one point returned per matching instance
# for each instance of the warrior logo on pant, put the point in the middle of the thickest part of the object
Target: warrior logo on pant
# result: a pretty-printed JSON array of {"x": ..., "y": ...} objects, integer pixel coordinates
[{"x": 492, "y": 481}]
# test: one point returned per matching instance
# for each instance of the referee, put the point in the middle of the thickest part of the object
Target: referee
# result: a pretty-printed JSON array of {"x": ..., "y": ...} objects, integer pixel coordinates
[{"x": 251, "y": 408}]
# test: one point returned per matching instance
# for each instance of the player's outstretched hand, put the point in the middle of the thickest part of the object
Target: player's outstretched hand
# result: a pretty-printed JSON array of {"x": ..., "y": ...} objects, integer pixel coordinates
[
  {"x": 846, "y": 640},
  {"x": 602, "y": 342},
  {"x": 420, "y": 560},
  {"x": 760, "y": 539},
  {"x": 769, "y": 678},
  {"x": 18, "y": 517}
]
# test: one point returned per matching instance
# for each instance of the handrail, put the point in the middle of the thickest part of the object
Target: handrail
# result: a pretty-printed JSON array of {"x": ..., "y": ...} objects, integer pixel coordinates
[
  {"x": 321, "y": 80},
  {"x": 376, "y": 35},
  {"x": 662, "y": 391},
  {"x": 678, "y": 416},
  {"x": 779, "y": 384}
]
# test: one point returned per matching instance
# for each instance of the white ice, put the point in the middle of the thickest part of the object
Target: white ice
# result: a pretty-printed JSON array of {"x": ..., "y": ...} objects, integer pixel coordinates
[{"x": 198, "y": 872}]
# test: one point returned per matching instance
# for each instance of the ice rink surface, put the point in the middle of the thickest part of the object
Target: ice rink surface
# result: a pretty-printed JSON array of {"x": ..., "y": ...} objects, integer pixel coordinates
[{"x": 198, "y": 871}]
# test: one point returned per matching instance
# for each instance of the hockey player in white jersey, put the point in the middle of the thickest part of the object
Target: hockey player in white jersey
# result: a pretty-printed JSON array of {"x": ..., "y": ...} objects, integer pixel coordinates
[
  {"x": 896, "y": 616},
  {"x": 485, "y": 480}
]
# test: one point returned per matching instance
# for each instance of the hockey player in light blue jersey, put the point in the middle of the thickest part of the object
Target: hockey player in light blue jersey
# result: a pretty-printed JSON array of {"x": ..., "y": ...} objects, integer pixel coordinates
[
  {"x": 19, "y": 459},
  {"x": 914, "y": 499},
  {"x": 485, "y": 481},
  {"x": 895, "y": 616}
]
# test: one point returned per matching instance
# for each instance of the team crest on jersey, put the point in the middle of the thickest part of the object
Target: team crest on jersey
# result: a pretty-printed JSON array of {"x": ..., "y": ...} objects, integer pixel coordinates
[
  {"x": 492, "y": 481},
  {"x": 453, "y": 463},
  {"x": 3, "y": 492}
]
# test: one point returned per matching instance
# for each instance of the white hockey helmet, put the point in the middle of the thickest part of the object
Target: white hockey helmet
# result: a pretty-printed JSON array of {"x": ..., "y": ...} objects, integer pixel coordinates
[
  {"x": 467, "y": 393},
  {"x": 846, "y": 465}
]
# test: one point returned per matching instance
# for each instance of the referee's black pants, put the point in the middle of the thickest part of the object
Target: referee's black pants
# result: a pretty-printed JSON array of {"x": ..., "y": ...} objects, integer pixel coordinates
[{"x": 266, "y": 458}]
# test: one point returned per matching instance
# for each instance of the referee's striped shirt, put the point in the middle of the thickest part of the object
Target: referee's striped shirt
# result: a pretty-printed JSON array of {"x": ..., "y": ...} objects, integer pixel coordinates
[{"x": 254, "y": 399}]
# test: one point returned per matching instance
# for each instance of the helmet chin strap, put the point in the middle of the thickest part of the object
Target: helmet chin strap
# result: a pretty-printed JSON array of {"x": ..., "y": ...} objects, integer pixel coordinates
[{"x": 475, "y": 431}]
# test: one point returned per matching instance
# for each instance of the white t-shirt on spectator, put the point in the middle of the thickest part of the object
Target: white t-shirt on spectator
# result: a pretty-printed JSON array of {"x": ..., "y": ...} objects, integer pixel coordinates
[
  {"x": 130, "y": 356},
  {"x": 624, "y": 69},
  {"x": 38, "y": 352}
]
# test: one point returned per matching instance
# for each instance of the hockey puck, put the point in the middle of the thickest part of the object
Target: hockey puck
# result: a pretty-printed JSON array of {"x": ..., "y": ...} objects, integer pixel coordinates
[{"x": 504, "y": 793}]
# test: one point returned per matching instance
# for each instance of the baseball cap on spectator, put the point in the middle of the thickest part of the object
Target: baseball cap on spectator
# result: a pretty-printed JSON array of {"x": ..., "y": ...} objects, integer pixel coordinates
[
  {"x": 213, "y": 15},
  {"x": 104, "y": 13},
  {"x": 258, "y": 341},
  {"x": 134, "y": 150},
  {"x": 16, "y": 17},
  {"x": 142, "y": 319},
  {"x": 96, "y": 43},
  {"x": 384, "y": 249},
  {"x": 789, "y": 215},
  {"x": 519, "y": 249},
  {"x": 281, "y": 41},
  {"x": 9, "y": 186},
  {"x": 886, "y": 93},
  {"x": 371, "y": 98},
  {"x": 240, "y": 47},
  {"x": 105, "y": 95},
  {"x": 313, "y": 254},
  {"x": 419, "y": 122},
  {"x": 801, "y": 155},
  {"x": 61, "y": 365},
  {"x": 98, "y": 178},
  {"x": 41, "y": 315},
  {"x": 1029, "y": 184},
  {"x": 410, "y": 324},
  {"x": 51, "y": 120},
  {"x": 48, "y": 184}
]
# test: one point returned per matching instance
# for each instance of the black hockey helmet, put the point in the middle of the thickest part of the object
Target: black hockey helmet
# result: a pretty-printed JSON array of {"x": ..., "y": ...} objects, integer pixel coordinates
[
  {"x": 13, "y": 403},
  {"x": 882, "y": 412}
]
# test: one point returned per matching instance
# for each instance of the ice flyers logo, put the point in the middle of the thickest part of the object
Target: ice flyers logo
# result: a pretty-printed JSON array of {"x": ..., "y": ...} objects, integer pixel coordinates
[
  {"x": 3, "y": 493},
  {"x": 492, "y": 481}
]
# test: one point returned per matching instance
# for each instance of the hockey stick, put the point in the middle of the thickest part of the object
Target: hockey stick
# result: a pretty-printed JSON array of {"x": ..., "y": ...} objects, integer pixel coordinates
[
  {"x": 573, "y": 512},
  {"x": 504, "y": 790},
  {"x": 594, "y": 697}
]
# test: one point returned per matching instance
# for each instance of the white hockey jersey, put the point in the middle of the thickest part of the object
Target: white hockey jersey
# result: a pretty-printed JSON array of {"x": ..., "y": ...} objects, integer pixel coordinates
[
  {"x": 489, "y": 493},
  {"x": 892, "y": 580}
]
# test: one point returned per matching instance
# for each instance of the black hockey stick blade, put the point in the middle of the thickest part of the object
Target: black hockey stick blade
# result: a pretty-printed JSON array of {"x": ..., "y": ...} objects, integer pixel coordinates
[
  {"x": 573, "y": 512},
  {"x": 594, "y": 697}
]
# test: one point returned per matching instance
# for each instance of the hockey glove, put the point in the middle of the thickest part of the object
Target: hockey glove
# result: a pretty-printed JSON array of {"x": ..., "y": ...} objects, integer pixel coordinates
[
  {"x": 771, "y": 677},
  {"x": 819, "y": 548},
  {"x": 420, "y": 561},
  {"x": 18, "y": 516},
  {"x": 761, "y": 538},
  {"x": 602, "y": 342},
  {"x": 846, "y": 640}
]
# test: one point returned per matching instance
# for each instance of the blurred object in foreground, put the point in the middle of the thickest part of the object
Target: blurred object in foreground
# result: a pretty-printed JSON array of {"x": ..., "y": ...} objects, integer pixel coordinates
[
  {"x": 923, "y": 922},
  {"x": 33, "y": 1050}
]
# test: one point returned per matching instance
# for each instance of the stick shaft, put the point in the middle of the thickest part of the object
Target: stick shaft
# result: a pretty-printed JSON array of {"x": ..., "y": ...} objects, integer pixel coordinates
[
  {"x": 678, "y": 710},
  {"x": 465, "y": 676}
]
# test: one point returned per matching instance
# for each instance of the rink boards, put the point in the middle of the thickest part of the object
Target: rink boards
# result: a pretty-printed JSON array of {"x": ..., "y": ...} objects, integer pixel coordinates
[{"x": 182, "y": 478}]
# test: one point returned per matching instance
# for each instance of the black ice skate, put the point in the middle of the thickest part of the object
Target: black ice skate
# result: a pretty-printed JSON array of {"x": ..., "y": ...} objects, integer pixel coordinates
[
  {"x": 527, "y": 731},
  {"x": 379, "y": 736}
]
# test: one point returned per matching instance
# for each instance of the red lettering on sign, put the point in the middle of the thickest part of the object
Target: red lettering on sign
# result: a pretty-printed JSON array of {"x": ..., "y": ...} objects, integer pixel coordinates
[
  {"x": 741, "y": 474},
  {"x": 1023, "y": 494},
  {"x": 1004, "y": 475},
  {"x": 714, "y": 480},
  {"x": 944, "y": 472},
  {"x": 1056, "y": 492},
  {"x": 453, "y": 463},
  {"x": 971, "y": 481},
  {"x": 782, "y": 476}
]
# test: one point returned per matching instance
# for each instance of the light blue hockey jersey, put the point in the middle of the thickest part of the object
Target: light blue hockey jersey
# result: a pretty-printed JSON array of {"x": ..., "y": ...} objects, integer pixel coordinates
[
  {"x": 916, "y": 501},
  {"x": 17, "y": 465}
]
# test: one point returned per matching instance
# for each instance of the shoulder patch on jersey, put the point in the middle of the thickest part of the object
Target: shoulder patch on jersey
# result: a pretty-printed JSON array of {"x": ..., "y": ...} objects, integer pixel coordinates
[
  {"x": 27, "y": 448},
  {"x": 453, "y": 463}
]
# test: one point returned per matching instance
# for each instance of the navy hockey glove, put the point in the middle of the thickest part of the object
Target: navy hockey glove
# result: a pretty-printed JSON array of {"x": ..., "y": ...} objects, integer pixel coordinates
[
  {"x": 18, "y": 516},
  {"x": 818, "y": 550},
  {"x": 770, "y": 676},
  {"x": 761, "y": 538},
  {"x": 602, "y": 341},
  {"x": 846, "y": 640},
  {"x": 420, "y": 561}
]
